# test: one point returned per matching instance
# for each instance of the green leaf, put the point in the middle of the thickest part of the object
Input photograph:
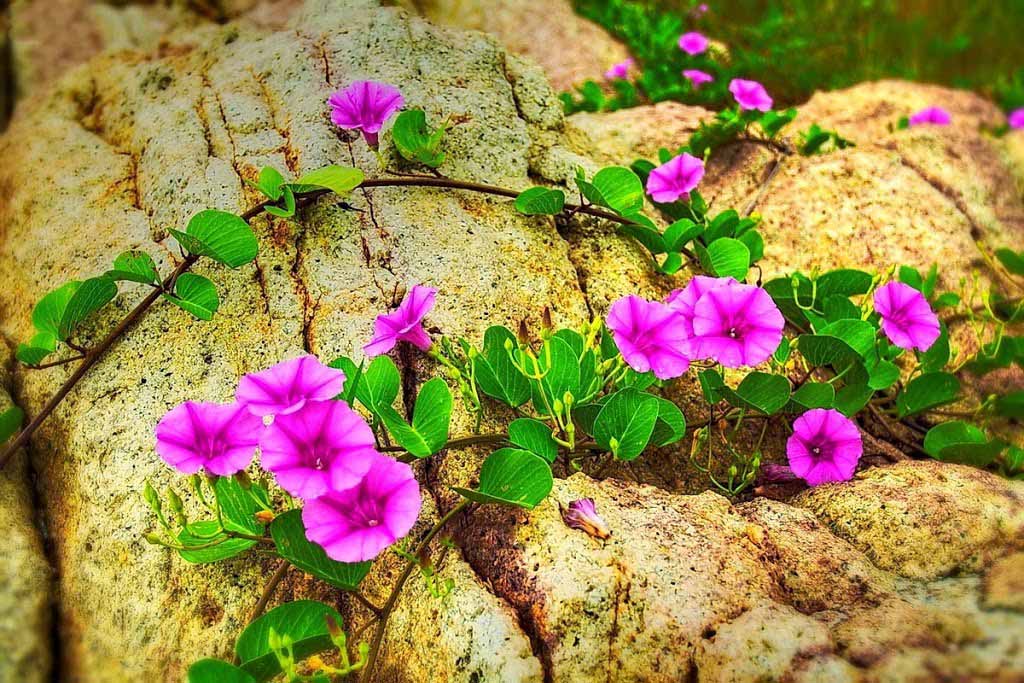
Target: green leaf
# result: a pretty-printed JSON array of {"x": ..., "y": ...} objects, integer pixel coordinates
[
  {"x": 937, "y": 355},
  {"x": 221, "y": 236},
  {"x": 289, "y": 536},
  {"x": 859, "y": 335},
  {"x": 239, "y": 506},
  {"x": 378, "y": 386},
  {"x": 712, "y": 385},
  {"x": 616, "y": 188},
  {"x": 41, "y": 346},
  {"x": 92, "y": 295},
  {"x": 671, "y": 425},
  {"x": 340, "y": 180},
  {"x": 844, "y": 282},
  {"x": 883, "y": 375},
  {"x": 540, "y": 201},
  {"x": 681, "y": 233},
  {"x": 721, "y": 226},
  {"x": 195, "y": 294},
  {"x": 626, "y": 422},
  {"x": 303, "y": 621},
  {"x": 216, "y": 671},
  {"x": 725, "y": 257},
  {"x": 852, "y": 398},
  {"x": 209, "y": 545},
  {"x": 821, "y": 350},
  {"x": 10, "y": 422},
  {"x": 560, "y": 367},
  {"x": 289, "y": 204},
  {"x": 927, "y": 391},
  {"x": 48, "y": 312},
  {"x": 415, "y": 140},
  {"x": 646, "y": 235},
  {"x": 431, "y": 418},
  {"x": 812, "y": 395},
  {"x": 1009, "y": 405},
  {"x": 134, "y": 266},
  {"x": 1011, "y": 260},
  {"x": 270, "y": 182},
  {"x": 534, "y": 436},
  {"x": 762, "y": 391},
  {"x": 512, "y": 476},
  {"x": 495, "y": 373},
  {"x": 961, "y": 442}
]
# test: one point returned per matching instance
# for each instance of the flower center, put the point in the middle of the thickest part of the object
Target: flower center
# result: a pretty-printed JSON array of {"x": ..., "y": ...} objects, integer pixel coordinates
[
  {"x": 816, "y": 450},
  {"x": 733, "y": 332},
  {"x": 319, "y": 464},
  {"x": 372, "y": 522}
]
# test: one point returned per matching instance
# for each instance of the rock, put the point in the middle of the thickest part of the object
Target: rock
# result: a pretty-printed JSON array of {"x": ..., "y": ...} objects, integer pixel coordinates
[
  {"x": 568, "y": 47},
  {"x": 1004, "y": 583},
  {"x": 25, "y": 576}
]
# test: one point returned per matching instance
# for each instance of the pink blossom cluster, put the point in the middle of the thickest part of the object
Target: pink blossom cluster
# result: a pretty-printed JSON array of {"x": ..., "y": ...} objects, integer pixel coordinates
[
  {"x": 357, "y": 500},
  {"x": 732, "y": 323}
]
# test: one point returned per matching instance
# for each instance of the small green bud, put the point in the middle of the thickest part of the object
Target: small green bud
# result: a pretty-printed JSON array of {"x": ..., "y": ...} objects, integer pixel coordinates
[
  {"x": 454, "y": 374},
  {"x": 153, "y": 539},
  {"x": 509, "y": 345},
  {"x": 274, "y": 640},
  {"x": 174, "y": 502},
  {"x": 568, "y": 399},
  {"x": 558, "y": 406},
  {"x": 733, "y": 472},
  {"x": 473, "y": 353},
  {"x": 151, "y": 497},
  {"x": 614, "y": 443}
]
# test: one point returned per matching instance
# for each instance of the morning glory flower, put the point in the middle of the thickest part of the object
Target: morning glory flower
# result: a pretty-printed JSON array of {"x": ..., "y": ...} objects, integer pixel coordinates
[
  {"x": 582, "y": 514},
  {"x": 736, "y": 324},
  {"x": 683, "y": 300},
  {"x": 620, "y": 70},
  {"x": 675, "y": 178},
  {"x": 750, "y": 94},
  {"x": 650, "y": 336},
  {"x": 365, "y": 106},
  {"x": 322, "y": 447},
  {"x": 405, "y": 324},
  {"x": 697, "y": 77},
  {"x": 825, "y": 446},
  {"x": 935, "y": 116},
  {"x": 1016, "y": 118},
  {"x": 702, "y": 8},
  {"x": 285, "y": 387},
  {"x": 907, "y": 319},
  {"x": 358, "y": 523},
  {"x": 218, "y": 438},
  {"x": 693, "y": 43}
]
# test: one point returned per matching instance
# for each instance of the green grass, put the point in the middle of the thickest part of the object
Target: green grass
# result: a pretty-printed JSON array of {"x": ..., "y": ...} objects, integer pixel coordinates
[{"x": 800, "y": 46}]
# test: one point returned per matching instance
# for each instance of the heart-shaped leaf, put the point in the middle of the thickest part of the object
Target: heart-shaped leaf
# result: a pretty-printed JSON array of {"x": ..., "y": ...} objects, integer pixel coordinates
[
  {"x": 512, "y": 476},
  {"x": 340, "y": 180},
  {"x": 496, "y": 375},
  {"x": 626, "y": 422},
  {"x": 221, "y": 236},
  {"x": 534, "y": 436},
  {"x": 540, "y": 201},
  {"x": 204, "y": 543},
  {"x": 431, "y": 418},
  {"x": 303, "y": 621},
  {"x": 134, "y": 266},
  {"x": 195, "y": 294},
  {"x": 289, "y": 536},
  {"x": 217, "y": 671}
]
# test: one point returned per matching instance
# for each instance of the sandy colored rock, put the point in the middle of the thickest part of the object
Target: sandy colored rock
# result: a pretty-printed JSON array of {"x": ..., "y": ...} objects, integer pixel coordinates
[{"x": 1004, "y": 583}]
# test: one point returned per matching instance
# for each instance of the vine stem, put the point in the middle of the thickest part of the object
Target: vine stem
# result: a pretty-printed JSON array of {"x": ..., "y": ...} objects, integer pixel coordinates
[
  {"x": 100, "y": 349},
  {"x": 389, "y": 606},
  {"x": 268, "y": 593}
]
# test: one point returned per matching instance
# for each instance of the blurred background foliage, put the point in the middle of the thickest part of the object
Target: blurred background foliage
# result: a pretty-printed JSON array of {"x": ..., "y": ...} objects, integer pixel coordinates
[{"x": 799, "y": 46}]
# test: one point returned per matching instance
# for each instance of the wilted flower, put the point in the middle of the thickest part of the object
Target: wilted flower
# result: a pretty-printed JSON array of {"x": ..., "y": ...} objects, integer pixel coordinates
[
  {"x": 405, "y": 324},
  {"x": 935, "y": 116},
  {"x": 324, "y": 446},
  {"x": 907, "y": 319},
  {"x": 697, "y": 77},
  {"x": 771, "y": 473},
  {"x": 365, "y": 106},
  {"x": 693, "y": 43},
  {"x": 825, "y": 446},
  {"x": 218, "y": 438},
  {"x": 1016, "y": 118},
  {"x": 620, "y": 70},
  {"x": 285, "y": 387},
  {"x": 750, "y": 94},
  {"x": 736, "y": 324},
  {"x": 675, "y": 178},
  {"x": 683, "y": 300},
  {"x": 582, "y": 514},
  {"x": 650, "y": 336},
  {"x": 356, "y": 524}
]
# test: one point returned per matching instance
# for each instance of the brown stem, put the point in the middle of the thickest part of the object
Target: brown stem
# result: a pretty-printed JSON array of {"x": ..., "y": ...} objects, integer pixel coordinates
[
  {"x": 56, "y": 363},
  {"x": 462, "y": 442},
  {"x": 268, "y": 593}
]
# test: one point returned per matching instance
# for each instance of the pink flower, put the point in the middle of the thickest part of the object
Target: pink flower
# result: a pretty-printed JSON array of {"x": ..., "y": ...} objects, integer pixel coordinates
[
  {"x": 358, "y": 523},
  {"x": 1016, "y": 118},
  {"x": 220, "y": 438},
  {"x": 702, "y": 8},
  {"x": 750, "y": 94},
  {"x": 675, "y": 178},
  {"x": 935, "y": 116},
  {"x": 582, "y": 514},
  {"x": 285, "y": 387},
  {"x": 776, "y": 474},
  {"x": 405, "y": 324},
  {"x": 683, "y": 300},
  {"x": 697, "y": 77},
  {"x": 825, "y": 446},
  {"x": 365, "y": 106},
  {"x": 736, "y": 324},
  {"x": 650, "y": 336},
  {"x": 907, "y": 319},
  {"x": 620, "y": 70},
  {"x": 325, "y": 446},
  {"x": 693, "y": 43}
]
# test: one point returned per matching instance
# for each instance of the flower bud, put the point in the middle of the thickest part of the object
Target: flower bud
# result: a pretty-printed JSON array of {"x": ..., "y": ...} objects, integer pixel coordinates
[
  {"x": 558, "y": 406},
  {"x": 153, "y": 539},
  {"x": 151, "y": 497},
  {"x": 264, "y": 516},
  {"x": 733, "y": 471},
  {"x": 509, "y": 345},
  {"x": 174, "y": 502},
  {"x": 582, "y": 514},
  {"x": 567, "y": 399},
  {"x": 523, "y": 333},
  {"x": 545, "y": 318},
  {"x": 614, "y": 443}
]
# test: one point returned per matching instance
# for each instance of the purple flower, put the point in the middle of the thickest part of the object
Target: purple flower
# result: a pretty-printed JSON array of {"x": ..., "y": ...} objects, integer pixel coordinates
[
  {"x": 650, "y": 336},
  {"x": 683, "y": 300},
  {"x": 935, "y": 116},
  {"x": 620, "y": 70},
  {"x": 325, "y": 446},
  {"x": 736, "y": 324},
  {"x": 1016, "y": 118},
  {"x": 356, "y": 524},
  {"x": 750, "y": 94},
  {"x": 697, "y": 77},
  {"x": 365, "y": 106},
  {"x": 405, "y": 324},
  {"x": 825, "y": 446},
  {"x": 285, "y": 387},
  {"x": 675, "y": 178},
  {"x": 776, "y": 474},
  {"x": 220, "y": 438},
  {"x": 582, "y": 514},
  {"x": 702, "y": 8},
  {"x": 907, "y": 319},
  {"x": 693, "y": 43}
]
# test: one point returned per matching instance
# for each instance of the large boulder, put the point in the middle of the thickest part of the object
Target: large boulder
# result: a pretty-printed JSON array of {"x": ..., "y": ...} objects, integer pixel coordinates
[{"x": 132, "y": 143}]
